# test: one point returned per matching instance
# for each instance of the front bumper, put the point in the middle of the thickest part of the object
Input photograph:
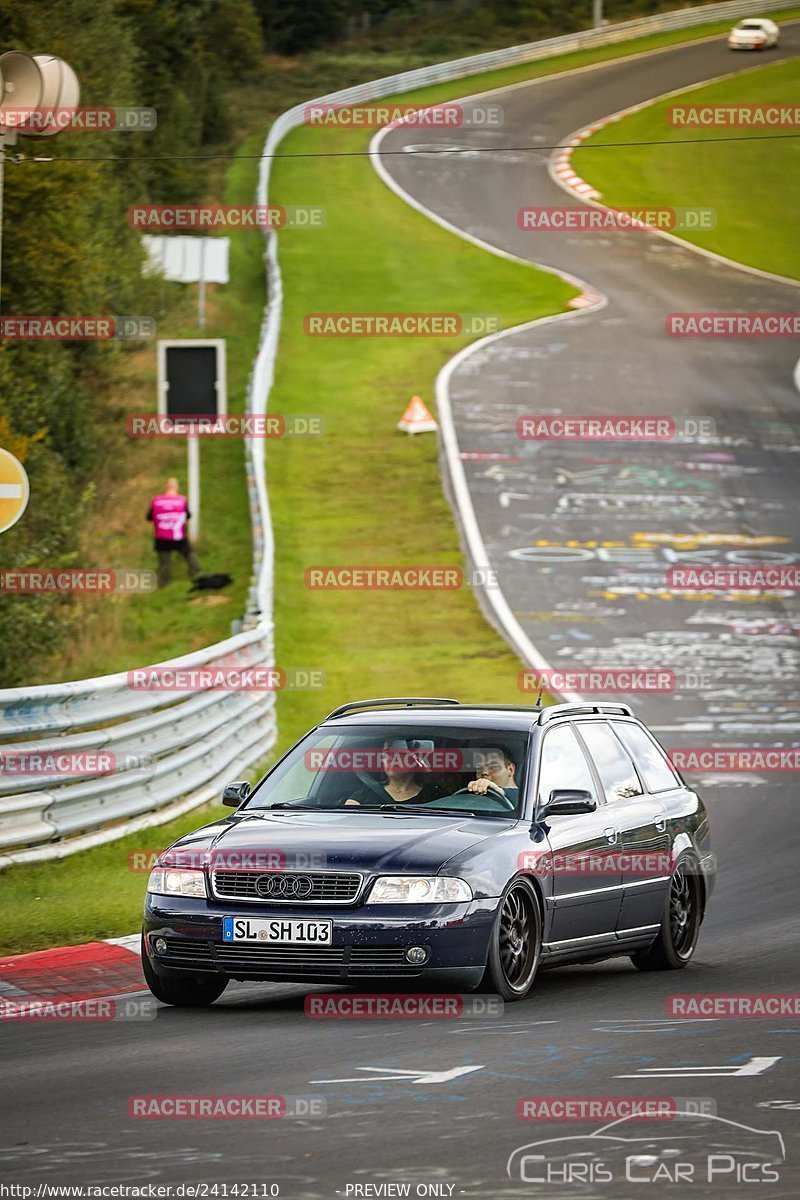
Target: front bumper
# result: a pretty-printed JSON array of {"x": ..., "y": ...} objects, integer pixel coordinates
[{"x": 369, "y": 942}]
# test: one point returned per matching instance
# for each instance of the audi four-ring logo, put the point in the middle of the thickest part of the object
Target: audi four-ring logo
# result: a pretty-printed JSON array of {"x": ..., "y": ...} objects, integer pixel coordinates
[{"x": 294, "y": 887}]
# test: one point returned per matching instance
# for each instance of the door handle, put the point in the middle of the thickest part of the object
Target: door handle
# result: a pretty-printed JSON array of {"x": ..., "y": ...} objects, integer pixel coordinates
[
  {"x": 611, "y": 834},
  {"x": 661, "y": 824}
]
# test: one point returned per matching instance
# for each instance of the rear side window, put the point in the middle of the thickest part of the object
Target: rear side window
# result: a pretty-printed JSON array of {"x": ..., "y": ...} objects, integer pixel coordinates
[
  {"x": 616, "y": 770},
  {"x": 564, "y": 765},
  {"x": 650, "y": 759}
]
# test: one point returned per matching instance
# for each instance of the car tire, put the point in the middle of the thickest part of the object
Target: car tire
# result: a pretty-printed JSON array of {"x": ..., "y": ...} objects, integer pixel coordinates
[
  {"x": 196, "y": 990},
  {"x": 680, "y": 925},
  {"x": 516, "y": 943}
]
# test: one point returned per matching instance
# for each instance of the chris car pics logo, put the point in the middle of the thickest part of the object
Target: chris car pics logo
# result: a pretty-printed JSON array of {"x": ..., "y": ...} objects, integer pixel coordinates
[{"x": 689, "y": 1148}]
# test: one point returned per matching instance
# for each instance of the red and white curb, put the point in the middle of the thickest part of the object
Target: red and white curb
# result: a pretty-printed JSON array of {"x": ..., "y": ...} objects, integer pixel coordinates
[
  {"x": 561, "y": 168},
  {"x": 562, "y": 164},
  {"x": 91, "y": 971},
  {"x": 564, "y": 174}
]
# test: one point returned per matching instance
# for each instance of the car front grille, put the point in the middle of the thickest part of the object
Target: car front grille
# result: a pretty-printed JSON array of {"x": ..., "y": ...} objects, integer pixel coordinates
[
  {"x": 292, "y": 961},
  {"x": 286, "y": 887},
  {"x": 335, "y": 963}
]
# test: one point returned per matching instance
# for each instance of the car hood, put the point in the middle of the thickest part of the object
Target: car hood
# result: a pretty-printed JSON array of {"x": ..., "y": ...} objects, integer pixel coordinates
[{"x": 339, "y": 840}]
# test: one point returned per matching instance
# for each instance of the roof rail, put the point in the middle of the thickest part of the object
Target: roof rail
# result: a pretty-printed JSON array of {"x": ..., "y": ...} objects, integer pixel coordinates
[
  {"x": 530, "y": 709},
  {"x": 396, "y": 701},
  {"x": 550, "y": 711}
]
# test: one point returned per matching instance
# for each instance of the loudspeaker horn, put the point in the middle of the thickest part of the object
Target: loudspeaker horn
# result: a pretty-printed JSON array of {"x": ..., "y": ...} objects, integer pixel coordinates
[
  {"x": 22, "y": 89},
  {"x": 60, "y": 95}
]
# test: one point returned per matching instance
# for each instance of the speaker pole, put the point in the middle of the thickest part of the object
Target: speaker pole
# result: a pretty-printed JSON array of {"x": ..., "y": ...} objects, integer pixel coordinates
[
  {"x": 193, "y": 485},
  {"x": 7, "y": 138},
  {"x": 31, "y": 83},
  {"x": 201, "y": 292},
  {"x": 2, "y": 173}
]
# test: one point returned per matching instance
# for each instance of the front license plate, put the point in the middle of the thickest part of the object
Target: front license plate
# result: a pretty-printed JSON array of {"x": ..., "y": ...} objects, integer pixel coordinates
[{"x": 277, "y": 929}]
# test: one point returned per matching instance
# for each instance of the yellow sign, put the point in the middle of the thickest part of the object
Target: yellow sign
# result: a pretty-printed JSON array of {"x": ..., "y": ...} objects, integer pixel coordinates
[{"x": 14, "y": 490}]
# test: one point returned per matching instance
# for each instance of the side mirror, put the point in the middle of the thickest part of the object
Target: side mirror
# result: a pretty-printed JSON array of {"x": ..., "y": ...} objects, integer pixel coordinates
[
  {"x": 235, "y": 794},
  {"x": 568, "y": 802}
]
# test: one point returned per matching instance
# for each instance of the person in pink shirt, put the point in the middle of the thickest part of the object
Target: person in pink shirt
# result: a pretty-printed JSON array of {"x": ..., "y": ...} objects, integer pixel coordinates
[{"x": 169, "y": 512}]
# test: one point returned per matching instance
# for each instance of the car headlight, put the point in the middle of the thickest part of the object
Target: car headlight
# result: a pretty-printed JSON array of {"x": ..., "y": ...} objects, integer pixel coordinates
[
  {"x": 164, "y": 881},
  {"x": 419, "y": 889}
]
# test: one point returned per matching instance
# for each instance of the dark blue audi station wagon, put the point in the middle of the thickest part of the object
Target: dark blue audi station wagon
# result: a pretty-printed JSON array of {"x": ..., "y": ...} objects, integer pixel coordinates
[{"x": 423, "y": 842}]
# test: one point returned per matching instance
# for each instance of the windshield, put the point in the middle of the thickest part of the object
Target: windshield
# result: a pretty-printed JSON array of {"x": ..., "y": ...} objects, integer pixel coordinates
[
  {"x": 408, "y": 768},
  {"x": 751, "y": 25}
]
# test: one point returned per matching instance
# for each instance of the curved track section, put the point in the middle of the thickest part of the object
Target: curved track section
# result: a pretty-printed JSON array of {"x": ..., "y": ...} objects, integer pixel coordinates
[{"x": 433, "y": 1104}]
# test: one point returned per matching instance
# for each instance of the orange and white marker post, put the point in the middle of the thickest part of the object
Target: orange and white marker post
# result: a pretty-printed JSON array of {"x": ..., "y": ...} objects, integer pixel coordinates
[
  {"x": 416, "y": 418},
  {"x": 14, "y": 490}
]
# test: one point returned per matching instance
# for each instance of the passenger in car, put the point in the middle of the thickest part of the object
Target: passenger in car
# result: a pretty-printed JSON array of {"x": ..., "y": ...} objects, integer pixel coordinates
[{"x": 399, "y": 785}]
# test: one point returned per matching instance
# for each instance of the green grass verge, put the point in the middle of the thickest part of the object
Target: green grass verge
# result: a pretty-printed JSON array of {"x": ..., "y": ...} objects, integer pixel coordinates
[
  {"x": 363, "y": 493},
  {"x": 752, "y": 184}
]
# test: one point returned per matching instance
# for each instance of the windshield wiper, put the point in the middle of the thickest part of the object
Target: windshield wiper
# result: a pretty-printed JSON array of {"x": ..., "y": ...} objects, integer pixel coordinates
[
  {"x": 422, "y": 808},
  {"x": 283, "y": 806},
  {"x": 286, "y": 806}
]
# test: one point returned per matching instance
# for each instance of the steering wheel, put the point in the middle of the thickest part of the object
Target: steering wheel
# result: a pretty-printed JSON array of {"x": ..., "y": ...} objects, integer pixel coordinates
[{"x": 494, "y": 792}]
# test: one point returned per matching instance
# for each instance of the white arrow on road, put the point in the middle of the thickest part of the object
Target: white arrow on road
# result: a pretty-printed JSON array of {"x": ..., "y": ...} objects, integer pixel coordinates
[
  {"x": 390, "y": 1074},
  {"x": 506, "y": 497},
  {"x": 754, "y": 1066}
]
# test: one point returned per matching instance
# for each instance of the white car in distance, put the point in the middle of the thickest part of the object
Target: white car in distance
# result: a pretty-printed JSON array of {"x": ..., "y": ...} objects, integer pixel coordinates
[{"x": 754, "y": 33}]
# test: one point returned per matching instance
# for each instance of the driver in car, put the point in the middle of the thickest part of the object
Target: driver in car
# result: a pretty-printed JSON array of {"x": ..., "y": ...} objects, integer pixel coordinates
[{"x": 496, "y": 771}]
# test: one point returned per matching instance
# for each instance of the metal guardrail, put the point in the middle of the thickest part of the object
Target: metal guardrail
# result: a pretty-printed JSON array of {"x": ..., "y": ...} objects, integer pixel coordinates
[
  {"x": 155, "y": 752},
  {"x": 172, "y": 751}
]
